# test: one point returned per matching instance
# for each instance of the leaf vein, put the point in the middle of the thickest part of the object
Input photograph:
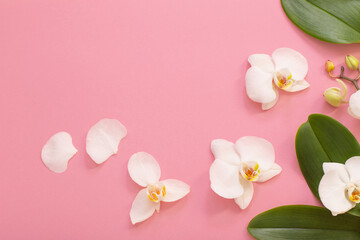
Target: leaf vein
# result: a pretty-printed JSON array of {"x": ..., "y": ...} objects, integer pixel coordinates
[{"x": 333, "y": 16}]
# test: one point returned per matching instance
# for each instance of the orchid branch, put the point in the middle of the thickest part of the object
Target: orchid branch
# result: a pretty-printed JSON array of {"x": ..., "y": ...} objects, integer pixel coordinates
[{"x": 354, "y": 81}]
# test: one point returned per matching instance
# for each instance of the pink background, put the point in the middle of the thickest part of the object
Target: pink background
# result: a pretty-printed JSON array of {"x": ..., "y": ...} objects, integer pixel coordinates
[{"x": 173, "y": 73}]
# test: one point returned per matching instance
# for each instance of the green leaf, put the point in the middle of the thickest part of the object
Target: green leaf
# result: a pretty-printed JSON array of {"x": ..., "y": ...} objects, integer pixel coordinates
[
  {"x": 336, "y": 21},
  {"x": 323, "y": 139},
  {"x": 303, "y": 222}
]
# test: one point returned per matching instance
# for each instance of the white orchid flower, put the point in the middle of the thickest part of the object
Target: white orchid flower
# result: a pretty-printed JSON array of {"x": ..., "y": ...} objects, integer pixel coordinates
[
  {"x": 285, "y": 69},
  {"x": 354, "y": 105},
  {"x": 236, "y": 166},
  {"x": 145, "y": 171},
  {"x": 339, "y": 188}
]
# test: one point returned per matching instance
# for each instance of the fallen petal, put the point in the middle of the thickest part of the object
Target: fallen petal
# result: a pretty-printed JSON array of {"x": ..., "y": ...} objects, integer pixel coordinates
[
  {"x": 175, "y": 190},
  {"x": 103, "y": 139},
  {"x": 144, "y": 169},
  {"x": 57, "y": 152},
  {"x": 142, "y": 207}
]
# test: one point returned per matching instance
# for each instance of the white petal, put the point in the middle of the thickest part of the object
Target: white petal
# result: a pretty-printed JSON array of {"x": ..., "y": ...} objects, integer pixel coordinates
[
  {"x": 175, "y": 190},
  {"x": 266, "y": 106},
  {"x": 244, "y": 200},
  {"x": 103, "y": 139},
  {"x": 225, "y": 150},
  {"x": 255, "y": 149},
  {"x": 352, "y": 114},
  {"x": 144, "y": 169},
  {"x": 262, "y": 61},
  {"x": 270, "y": 173},
  {"x": 225, "y": 179},
  {"x": 157, "y": 207},
  {"x": 332, "y": 193},
  {"x": 57, "y": 152},
  {"x": 354, "y": 105},
  {"x": 292, "y": 60},
  {"x": 142, "y": 207},
  {"x": 339, "y": 168},
  {"x": 259, "y": 87},
  {"x": 298, "y": 86},
  {"x": 353, "y": 167}
]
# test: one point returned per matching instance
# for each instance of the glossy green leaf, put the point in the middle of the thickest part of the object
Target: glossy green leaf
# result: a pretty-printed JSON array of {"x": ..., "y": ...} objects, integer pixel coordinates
[
  {"x": 336, "y": 21},
  {"x": 323, "y": 139},
  {"x": 303, "y": 222}
]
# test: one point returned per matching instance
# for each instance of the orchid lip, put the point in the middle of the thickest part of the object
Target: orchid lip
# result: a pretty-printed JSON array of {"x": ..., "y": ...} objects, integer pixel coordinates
[
  {"x": 283, "y": 79},
  {"x": 250, "y": 171},
  {"x": 353, "y": 192},
  {"x": 156, "y": 192}
]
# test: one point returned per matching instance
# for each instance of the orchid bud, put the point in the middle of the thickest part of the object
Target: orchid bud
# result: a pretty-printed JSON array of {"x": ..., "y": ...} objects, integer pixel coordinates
[
  {"x": 352, "y": 62},
  {"x": 329, "y": 66},
  {"x": 333, "y": 96},
  {"x": 336, "y": 96}
]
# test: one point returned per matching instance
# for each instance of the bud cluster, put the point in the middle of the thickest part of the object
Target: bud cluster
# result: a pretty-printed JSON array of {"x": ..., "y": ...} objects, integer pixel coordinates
[
  {"x": 351, "y": 62},
  {"x": 336, "y": 96}
]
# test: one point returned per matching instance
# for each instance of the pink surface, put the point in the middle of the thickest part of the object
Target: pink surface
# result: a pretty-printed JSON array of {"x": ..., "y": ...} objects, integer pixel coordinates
[{"x": 173, "y": 73}]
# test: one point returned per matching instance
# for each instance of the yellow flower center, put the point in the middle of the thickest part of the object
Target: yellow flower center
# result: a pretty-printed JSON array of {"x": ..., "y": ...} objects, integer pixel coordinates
[
  {"x": 250, "y": 171},
  {"x": 354, "y": 193},
  {"x": 156, "y": 192},
  {"x": 284, "y": 80}
]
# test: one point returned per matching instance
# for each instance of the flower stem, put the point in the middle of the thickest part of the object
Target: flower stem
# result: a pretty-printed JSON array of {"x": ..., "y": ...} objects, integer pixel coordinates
[{"x": 354, "y": 81}]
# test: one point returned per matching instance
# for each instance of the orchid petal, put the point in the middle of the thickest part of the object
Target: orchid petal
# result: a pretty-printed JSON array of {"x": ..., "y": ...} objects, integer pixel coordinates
[
  {"x": 142, "y": 207},
  {"x": 244, "y": 200},
  {"x": 270, "y": 173},
  {"x": 259, "y": 87},
  {"x": 57, "y": 152},
  {"x": 352, "y": 114},
  {"x": 225, "y": 150},
  {"x": 267, "y": 106},
  {"x": 144, "y": 169},
  {"x": 292, "y": 60},
  {"x": 298, "y": 86},
  {"x": 255, "y": 149},
  {"x": 332, "y": 193},
  {"x": 262, "y": 61},
  {"x": 353, "y": 167},
  {"x": 354, "y": 105},
  {"x": 225, "y": 179},
  {"x": 103, "y": 139},
  {"x": 339, "y": 168},
  {"x": 175, "y": 190}
]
